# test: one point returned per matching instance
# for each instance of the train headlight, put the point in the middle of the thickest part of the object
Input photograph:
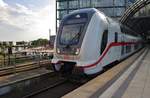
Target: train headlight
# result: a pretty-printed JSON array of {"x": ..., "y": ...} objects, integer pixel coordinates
[
  {"x": 58, "y": 50},
  {"x": 77, "y": 51}
]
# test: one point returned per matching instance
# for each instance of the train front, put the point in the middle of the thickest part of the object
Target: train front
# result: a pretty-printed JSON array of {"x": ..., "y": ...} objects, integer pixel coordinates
[{"x": 69, "y": 40}]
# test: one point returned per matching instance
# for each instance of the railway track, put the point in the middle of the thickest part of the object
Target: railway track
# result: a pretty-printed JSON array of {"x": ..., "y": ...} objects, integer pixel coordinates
[
  {"x": 59, "y": 83},
  {"x": 50, "y": 85},
  {"x": 56, "y": 90},
  {"x": 23, "y": 67}
]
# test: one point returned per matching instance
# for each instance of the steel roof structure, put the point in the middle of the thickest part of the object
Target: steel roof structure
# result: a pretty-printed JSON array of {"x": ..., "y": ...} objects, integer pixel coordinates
[{"x": 137, "y": 17}]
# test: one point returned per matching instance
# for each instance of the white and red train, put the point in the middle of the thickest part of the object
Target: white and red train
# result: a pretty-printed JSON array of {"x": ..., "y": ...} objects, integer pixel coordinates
[{"x": 88, "y": 40}]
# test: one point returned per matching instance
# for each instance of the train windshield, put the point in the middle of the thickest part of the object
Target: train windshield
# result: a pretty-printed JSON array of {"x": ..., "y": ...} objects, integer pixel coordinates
[
  {"x": 71, "y": 34},
  {"x": 72, "y": 29}
]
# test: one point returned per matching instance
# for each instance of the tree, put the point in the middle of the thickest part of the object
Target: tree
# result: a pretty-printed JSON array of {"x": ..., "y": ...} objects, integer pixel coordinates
[{"x": 39, "y": 42}]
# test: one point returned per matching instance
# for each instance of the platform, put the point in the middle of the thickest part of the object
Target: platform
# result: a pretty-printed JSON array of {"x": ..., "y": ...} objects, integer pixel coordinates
[
  {"x": 21, "y": 76},
  {"x": 134, "y": 83},
  {"x": 130, "y": 80}
]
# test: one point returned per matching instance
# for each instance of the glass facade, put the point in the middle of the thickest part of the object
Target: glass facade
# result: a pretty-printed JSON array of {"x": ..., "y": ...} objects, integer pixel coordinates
[{"x": 112, "y": 8}]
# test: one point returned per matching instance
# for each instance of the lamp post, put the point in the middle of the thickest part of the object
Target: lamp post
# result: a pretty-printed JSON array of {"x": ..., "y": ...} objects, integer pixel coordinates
[{"x": 49, "y": 37}]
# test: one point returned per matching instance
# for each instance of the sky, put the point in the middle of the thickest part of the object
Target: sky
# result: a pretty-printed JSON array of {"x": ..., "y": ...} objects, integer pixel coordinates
[{"x": 26, "y": 20}]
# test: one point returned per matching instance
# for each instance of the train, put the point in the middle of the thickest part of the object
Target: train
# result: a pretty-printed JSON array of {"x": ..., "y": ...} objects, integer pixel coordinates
[{"x": 88, "y": 40}]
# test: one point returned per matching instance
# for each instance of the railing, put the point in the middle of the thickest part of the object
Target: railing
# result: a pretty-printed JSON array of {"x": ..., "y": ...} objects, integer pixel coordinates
[{"x": 16, "y": 59}]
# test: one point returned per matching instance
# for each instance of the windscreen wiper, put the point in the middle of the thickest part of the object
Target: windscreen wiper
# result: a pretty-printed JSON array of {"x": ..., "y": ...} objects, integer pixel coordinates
[{"x": 77, "y": 35}]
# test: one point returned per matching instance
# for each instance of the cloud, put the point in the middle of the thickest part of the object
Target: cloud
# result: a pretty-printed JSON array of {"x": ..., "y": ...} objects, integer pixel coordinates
[
  {"x": 2, "y": 3},
  {"x": 22, "y": 23}
]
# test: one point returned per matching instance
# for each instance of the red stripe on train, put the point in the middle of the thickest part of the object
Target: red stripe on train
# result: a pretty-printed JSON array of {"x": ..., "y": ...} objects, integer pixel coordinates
[{"x": 113, "y": 44}]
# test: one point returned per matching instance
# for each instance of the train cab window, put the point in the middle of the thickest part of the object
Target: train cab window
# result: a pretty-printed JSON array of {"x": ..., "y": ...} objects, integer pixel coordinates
[
  {"x": 72, "y": 29},
  {"x": 104, "y": 41},
  {"x": 71, "y": 34},
  {"x": 116, "y": 37}
]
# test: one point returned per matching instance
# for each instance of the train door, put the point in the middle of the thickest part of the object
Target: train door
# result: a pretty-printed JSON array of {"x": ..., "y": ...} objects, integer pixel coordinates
[
  {"x": 122, "y": 47},
  {"x": 104, "y": 41},
  {"x": 116, "y": 37},
  {"x": 116, "y": 49}
]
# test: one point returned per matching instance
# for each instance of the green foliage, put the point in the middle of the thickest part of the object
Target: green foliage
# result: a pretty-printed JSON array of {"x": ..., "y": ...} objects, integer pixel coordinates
[{"x": 39, "y": 42}]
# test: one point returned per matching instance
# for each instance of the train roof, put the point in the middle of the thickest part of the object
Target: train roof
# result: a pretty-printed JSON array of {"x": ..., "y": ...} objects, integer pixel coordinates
[
  {"x": 85, "y": 10},
  {"x": 82, "y": 13},
  {"x": 88, "y": 11}
]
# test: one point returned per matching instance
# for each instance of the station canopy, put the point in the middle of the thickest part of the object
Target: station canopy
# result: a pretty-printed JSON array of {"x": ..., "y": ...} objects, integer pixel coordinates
[{"x": 137, "y": 17}]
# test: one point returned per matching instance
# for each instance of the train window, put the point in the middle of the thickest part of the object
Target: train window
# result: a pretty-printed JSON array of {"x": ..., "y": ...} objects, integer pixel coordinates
[
  {"x": 116, "y": 37},
  {"x": 122, "y": 50},
  {"x": 104, "y": 41},
  {"x": 71, "y": 34},
  {"x": 136, "y": 46},
  {"x": 76, "y": 18},
  {"x": 128, "y": 48}
]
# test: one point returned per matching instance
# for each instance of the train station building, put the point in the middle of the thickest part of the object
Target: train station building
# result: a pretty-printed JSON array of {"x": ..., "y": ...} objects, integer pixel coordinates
[
  {"x": 112, "y": 8},
  {"x": 137, "y": 18}
]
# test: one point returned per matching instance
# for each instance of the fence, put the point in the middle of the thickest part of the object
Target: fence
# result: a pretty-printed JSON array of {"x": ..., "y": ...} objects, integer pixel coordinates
[{"x": 16, "y": 59}]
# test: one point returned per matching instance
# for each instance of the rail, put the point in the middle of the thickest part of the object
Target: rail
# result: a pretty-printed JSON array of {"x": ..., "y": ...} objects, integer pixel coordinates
[{"x": 58, "y": 83}]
